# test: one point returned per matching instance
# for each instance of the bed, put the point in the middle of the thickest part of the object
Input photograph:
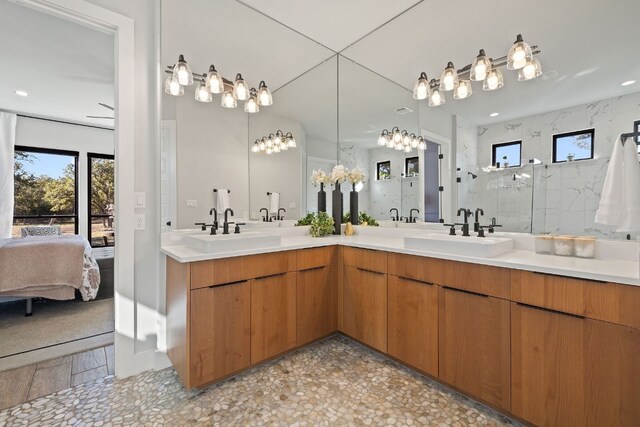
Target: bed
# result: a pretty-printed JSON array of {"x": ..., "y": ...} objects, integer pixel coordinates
[{"x": 49, "y": 267}]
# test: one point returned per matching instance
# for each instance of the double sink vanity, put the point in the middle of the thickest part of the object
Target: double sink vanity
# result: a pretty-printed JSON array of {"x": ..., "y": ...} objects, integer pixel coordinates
[{"x": 549, "y": 340}]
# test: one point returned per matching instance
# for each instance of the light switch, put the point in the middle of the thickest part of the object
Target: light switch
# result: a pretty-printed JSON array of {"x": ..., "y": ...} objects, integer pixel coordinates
[
  {"x": 192, "y": 203},
  {"x": 140, "y": 200}
]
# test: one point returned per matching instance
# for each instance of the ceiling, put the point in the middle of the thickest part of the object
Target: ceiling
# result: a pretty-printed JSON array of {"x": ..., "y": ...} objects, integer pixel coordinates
[{"x": 66, "y": 68}]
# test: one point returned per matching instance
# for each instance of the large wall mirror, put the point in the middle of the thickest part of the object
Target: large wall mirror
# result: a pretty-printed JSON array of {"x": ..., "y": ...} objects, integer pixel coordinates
[{"x": 552, "y": 136}]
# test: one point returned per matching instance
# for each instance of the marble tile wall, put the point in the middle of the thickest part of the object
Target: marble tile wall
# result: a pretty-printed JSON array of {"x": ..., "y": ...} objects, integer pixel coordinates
[{"x": 565, "y": 196}]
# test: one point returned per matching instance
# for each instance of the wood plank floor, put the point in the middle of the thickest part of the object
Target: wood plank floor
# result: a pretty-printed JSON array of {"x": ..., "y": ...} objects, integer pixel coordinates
[{"x": 30, "y": 382}]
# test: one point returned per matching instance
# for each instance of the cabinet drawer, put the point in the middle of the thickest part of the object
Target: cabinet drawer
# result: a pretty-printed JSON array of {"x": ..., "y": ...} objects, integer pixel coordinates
[
  {"x": 481, "y": 279},
  {"x": 314, "y": 258},
  {"x": 365, "y": 259},
  {"x": 610, "y": 302},
  {"x": 429, "y": 270},
  {"x": 229, "y": 270}
]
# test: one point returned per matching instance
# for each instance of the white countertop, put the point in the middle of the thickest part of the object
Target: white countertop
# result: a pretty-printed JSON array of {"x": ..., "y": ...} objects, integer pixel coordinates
[{"x": 626, "y": 271}]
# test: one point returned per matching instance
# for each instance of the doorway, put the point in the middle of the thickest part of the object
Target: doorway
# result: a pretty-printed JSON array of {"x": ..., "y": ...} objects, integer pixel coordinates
[{"x": 432, "y": 193}]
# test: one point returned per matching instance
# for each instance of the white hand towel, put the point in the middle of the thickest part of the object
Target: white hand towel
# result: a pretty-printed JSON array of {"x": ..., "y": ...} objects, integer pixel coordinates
[
  {"x": 223, "y": 200},
  {"x": 620, "y": 200},
  {"x": 274, "y": 202}
]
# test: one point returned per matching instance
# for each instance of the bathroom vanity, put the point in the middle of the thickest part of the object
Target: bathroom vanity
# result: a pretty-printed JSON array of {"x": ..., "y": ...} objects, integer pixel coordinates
[{"x": 546, "y": 339}]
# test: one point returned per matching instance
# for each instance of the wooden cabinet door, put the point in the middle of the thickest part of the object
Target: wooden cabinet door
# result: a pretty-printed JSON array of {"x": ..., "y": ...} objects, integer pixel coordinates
[
  {"x": 475, "y": 345},
  {"x": 364, "y": 312},
  {"x": 317, "y": 304},
  {"x": 273, "y": 315},
  {"x": 572, "y": 371},
  {"x": 220, "y": 332},
  {"x": 413, "y": 323}
]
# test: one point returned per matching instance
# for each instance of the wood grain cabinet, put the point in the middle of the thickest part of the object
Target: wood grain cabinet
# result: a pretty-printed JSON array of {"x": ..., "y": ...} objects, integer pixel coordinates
[
  {"x": 474, "y": 350},
  {"x": 273, "y": 315},
  {"x": 413, "y": 323},
  {"x": 364, "y": 306},
  {"x": 573, "y": 371},
  {"x": 317, "y": 307},
  {"x": 220, "y": 331}
]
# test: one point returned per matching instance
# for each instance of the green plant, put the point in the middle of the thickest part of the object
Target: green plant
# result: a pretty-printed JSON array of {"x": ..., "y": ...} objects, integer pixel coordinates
[
  {"x": 321, "y": 225},
  {"x": 307, "y": 219},
  {"x": 362, "y": 217}
]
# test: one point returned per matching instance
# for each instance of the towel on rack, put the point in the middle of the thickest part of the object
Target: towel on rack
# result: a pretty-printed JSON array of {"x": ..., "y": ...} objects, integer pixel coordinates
[
  {"x": 223, "y": 200},
  {"x": 274, "y": 202},
  {"x": 620, "y": 201}
]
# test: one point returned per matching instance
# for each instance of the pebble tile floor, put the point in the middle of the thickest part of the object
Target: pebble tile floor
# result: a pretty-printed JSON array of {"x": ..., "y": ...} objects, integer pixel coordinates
[{"x": 333, "y": 382}]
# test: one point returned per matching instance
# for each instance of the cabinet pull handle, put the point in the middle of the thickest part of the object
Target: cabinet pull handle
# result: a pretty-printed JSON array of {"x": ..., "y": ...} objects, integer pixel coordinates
[
  {"x": 369, "y": 271},
  {"x": 270, "y": 276},
  {"x": 569, "y": 277},
  {"x": 409, "y": 279},
  {"x": 313, "y": 268},
  {"x": 465, "y": 291},
  {"x": 227, "y": 284},
  {"x": 534, "y": 307}
]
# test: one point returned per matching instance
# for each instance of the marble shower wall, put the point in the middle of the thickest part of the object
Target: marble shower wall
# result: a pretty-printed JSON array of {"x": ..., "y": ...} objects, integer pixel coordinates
[{"x": 565, "y": 195}]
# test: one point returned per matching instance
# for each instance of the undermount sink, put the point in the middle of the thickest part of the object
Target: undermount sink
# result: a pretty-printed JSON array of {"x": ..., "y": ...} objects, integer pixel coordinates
[
  {"x": 487, "y": 247},
  {"x": 232, "y": 242}
]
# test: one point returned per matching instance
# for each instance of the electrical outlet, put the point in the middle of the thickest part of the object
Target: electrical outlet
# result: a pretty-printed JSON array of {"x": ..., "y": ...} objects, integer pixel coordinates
[
  {"x": 139, "y": 222},
  {"x": 192, "y": 203}
]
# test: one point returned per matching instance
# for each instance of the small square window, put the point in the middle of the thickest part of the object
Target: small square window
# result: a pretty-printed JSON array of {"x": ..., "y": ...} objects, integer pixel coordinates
[
  {"x": 411, "y": 167},
  {"x": 571, "y": 146},
  {"x": 383, "y": 170},
  {"x": 507, "y": 154}
]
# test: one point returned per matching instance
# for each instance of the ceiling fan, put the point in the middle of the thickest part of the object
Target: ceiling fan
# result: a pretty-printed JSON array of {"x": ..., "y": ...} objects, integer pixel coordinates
[{"x": 108, "y": 107}]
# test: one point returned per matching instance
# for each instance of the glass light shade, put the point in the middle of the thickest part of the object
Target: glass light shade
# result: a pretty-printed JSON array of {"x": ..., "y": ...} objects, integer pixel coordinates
[
  {"x": 480, "y": 67},
  {"x": 269, "y": 150},
  {"x": 270, "y": 141},
  {"x": 407, "y": 149},
  {"x": 227, "y": 100},
  {"x": 240, "y": 89},
  {"x": 519, "y": 53},
  {"x": 390, "y": 143},
  {"x": 276, "y": 148},
  {"x": 278, "y": 138},
  {"x": 493, "y": 81},
  {"x": 202, "y": 94},
  {"x": 399, "y": 147},
  {"x": 421, "y": 144},
  {"x": 406, "y": 139},
  {"x": 214, "y": 82},
  {"x": 436, "y": 98},
  {"x": 421, "y": 89},
  {"x": 172, "y": 87},
  {"x": 397, "y": 136},
  {"x": 182, "y": 72},
  {"x": 530, "y": 71},
  {"x": 264, "y": 95},
  {"x": 449, "y": 78},
  {"x": 263, "y": 144},
  {"x": 383, "y": 138},
  {"x": 291, "y": 141},
  {"x": 256, "y": 147},
  {"x": 463, "y": 90},
  {"x": 414, "y": 141},
  {"x": 251, "y": 105}
]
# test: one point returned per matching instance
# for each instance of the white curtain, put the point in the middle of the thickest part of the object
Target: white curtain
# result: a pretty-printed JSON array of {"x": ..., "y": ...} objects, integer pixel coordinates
[{"x": 7, "y": 142}]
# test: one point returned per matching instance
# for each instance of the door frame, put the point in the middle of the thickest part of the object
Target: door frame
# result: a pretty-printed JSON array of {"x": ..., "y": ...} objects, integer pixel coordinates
[
  {"x": 122, "y": 28},
  {"x": 447, "y": 179}
]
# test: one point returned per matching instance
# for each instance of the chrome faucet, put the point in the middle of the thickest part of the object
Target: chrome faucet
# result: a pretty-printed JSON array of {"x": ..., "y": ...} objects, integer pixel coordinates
[
  {"x": 265, "y": 218},
  {"x": 476, "y": 224},
  {"x": 280, "y": 218},
  {"x": 411, "y": 217},
  {"x": 397, "y": 216},
  {"x": 465, "y": 226},
  {"x": 225, "y": 226}
]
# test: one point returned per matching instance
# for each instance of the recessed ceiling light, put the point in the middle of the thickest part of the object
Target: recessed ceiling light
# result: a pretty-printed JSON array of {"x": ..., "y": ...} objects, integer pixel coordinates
[
  {"x": 494, "y": 114},
  {"x": 627, "y": 83},
  {"x": 22, "y": 93}
]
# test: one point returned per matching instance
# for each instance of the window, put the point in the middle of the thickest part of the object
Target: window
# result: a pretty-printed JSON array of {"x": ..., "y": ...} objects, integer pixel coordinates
[
  {"x": 411, "y": 167},
  {"x": 571, "y": 146},
  {"x": 101, "y": 199},
  {"x": 636, "y": 128},
  {"x": 507, "y": 154},
  {"x": 383, "y": 170},
  {"x": 45, "y": 189}
]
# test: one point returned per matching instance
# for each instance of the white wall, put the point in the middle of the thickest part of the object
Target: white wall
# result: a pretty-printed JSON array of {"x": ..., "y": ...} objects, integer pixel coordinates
[{"x": 62, "y": 136}]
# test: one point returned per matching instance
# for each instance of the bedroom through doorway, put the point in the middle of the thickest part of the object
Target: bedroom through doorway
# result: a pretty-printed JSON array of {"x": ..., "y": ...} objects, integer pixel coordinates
[{"x": 57, "y": 253}]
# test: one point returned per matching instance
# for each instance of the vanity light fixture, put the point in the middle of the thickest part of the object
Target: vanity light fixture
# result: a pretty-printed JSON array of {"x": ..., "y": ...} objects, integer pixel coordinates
[
  {"x": 212, "y": 82},
  {"x": 274, "y": 143},
  {"x": 483, "y": 69},
  {"x": 401, "y": 140}
]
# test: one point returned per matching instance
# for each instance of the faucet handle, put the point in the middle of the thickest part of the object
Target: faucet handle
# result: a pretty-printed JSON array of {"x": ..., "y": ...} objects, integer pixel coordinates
[{"x": 203, "y": 225}]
